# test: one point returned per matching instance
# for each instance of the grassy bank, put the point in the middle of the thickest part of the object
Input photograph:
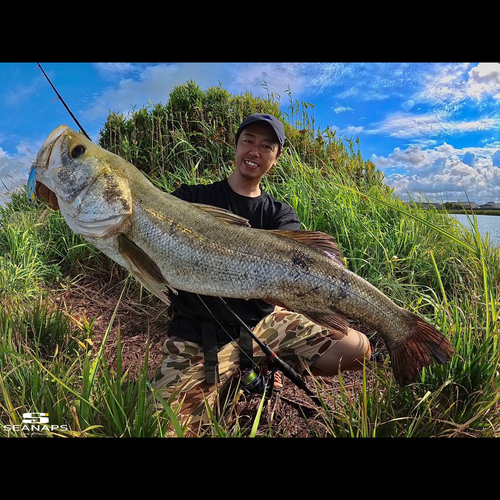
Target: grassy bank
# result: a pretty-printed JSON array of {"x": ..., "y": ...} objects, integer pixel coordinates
[
  {"x": 69, "y": 315},
  {"x": 51, "y": 360}
]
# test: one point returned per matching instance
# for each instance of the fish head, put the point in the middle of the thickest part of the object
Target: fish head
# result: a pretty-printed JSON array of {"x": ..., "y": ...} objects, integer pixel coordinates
[{"x": 92, "y": 191}]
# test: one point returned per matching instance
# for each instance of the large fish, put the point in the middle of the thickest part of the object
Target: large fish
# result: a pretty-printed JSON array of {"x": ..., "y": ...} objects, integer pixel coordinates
[{"x": 167, "y": 243}]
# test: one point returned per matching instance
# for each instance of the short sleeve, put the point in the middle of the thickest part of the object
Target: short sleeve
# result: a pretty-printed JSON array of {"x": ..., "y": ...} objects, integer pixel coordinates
[
  {"x": 285, "y": 219},
  {"x": 183, "y": 192}
]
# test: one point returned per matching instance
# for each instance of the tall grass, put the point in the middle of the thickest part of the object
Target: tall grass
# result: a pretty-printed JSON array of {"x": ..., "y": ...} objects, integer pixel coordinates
[
  {"x": 48, "y": 366},
  {"x": 424, "y": 260}
]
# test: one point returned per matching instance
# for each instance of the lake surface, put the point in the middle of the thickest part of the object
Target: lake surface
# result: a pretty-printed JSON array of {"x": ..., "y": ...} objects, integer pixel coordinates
[{"x": 486, "y": 223}]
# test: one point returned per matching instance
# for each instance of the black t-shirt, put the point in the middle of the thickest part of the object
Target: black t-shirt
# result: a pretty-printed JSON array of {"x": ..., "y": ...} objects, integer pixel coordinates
[{"x": 262, "y": 212}]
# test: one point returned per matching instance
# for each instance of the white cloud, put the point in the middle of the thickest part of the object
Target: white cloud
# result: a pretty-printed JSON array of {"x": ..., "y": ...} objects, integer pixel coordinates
[
  {"x": 408, "y": 104},
  {"x": 111, "y": 71},
  {"x": 132, "y": 92},
  {"x": 444, "y": 173},
  {"x": 352, "y": 130},
  {"x": 341, "y": 109},
  {"x": 405, "y": 125},
  {"x": 451, "y": 85},
  {"x": 13, "y": 174},
  {"x": 136, "y": 85},
  {"x": 278, "y": 77},
  {"x": 484, "y": 81},
  {"x": 366, "y": 81},
  {"x": 443, "y": 84},
  {"x": 24, "y": 91},
  {"x": 151, "y": 83}
]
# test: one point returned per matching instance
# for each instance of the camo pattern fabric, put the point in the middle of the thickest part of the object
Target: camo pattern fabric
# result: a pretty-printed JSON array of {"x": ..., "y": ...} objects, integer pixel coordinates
[{"x": 181, "y": 377}]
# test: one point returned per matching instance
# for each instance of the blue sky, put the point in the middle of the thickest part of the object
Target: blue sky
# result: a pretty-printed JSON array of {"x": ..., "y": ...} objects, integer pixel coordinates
[{"x": 431, "y": 128}]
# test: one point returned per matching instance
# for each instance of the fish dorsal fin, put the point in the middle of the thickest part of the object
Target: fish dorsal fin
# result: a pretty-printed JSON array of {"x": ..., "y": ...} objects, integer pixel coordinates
[
  {"x": 143, "y": 268},
  {"x": 222, "y": 214},
  {"x": 322, "y": 242}
]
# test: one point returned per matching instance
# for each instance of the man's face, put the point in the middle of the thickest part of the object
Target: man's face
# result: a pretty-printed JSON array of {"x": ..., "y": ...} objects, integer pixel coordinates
[{"x": 257, "y": 151}]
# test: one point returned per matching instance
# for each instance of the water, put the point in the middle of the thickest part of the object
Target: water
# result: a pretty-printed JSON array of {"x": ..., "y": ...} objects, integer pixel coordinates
[{"x": 486, "y": 224}]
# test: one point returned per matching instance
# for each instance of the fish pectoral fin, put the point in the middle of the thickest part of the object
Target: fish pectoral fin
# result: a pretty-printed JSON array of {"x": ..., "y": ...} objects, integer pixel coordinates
[
  {"x": 143, "y": 268},
  {"x": 322, "y": 242},
  {"x": 222, "y": 214},
  {"x": 334, "y": 321}
]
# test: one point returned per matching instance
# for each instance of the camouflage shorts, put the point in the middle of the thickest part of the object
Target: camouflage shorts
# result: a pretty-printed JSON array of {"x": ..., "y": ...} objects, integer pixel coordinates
[{"x": 181, "y": 377}]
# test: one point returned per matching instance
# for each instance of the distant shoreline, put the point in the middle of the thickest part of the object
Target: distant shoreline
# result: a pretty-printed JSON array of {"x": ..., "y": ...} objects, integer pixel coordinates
[
  {"x": 463, "y": 211},
  {"x": 469, "y": 208},
  {"x": 472, "y": 212}
]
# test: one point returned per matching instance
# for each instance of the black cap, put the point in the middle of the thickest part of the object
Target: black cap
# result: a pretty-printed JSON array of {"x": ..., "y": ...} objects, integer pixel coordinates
[{"x": 266, "y": 118}]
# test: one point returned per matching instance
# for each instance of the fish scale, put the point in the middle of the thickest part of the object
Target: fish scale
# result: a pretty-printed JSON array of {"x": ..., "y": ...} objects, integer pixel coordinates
[{"x": 169, "y": 244}]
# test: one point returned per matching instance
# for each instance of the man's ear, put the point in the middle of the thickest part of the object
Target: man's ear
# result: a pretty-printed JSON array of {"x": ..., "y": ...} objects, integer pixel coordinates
[{"x": 278, "y": 154}]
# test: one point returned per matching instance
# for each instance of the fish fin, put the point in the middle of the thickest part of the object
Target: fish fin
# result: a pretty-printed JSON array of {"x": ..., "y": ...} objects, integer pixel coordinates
[
  {"x": 143, "y": 268},
  {"x": 332, "y": 321},
  {"x": 425, "y": 345},
  {"x": 222, "y": 214},
  {"x": 322, "y": 242}
]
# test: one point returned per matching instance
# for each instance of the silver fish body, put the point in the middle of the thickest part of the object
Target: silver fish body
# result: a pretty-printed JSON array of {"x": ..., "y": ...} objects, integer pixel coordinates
[{"x": 169, "y": 243}]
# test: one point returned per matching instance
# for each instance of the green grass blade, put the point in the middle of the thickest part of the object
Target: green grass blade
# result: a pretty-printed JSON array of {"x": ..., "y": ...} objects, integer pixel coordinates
[{"x": 258, "y": 416}]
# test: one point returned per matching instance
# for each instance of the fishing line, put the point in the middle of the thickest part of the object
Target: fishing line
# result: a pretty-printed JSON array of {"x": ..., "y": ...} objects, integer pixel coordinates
[{"x": 64, "y": 103}]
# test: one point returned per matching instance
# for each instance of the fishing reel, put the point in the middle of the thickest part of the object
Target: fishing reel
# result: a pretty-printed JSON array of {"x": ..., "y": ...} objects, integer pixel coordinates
[{"x": 258, "y": 383}]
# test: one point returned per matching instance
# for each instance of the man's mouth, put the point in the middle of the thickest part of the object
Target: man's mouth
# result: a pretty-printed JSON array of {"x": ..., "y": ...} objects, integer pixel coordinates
[{"x": 251, "y": 164}]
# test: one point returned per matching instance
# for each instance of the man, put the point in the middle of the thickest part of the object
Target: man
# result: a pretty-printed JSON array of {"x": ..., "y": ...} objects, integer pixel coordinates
[{"x": 203, "y": 350}]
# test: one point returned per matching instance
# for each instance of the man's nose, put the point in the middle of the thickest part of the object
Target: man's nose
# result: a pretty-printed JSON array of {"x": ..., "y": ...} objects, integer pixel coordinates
[{"x": 254, "y": 150}]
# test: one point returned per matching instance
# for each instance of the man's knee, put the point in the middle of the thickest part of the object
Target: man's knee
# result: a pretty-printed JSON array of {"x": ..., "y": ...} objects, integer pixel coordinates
[{"x": 349, "y": 353}]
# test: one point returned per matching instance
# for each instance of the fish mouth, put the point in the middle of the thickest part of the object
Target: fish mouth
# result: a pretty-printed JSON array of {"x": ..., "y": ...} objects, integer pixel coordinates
[
  {"x": 49, "y": 156},
  {"x": 72, "y": 191}
]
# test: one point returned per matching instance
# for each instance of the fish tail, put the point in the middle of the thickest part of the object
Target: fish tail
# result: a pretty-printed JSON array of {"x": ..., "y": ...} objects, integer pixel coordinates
[{"x": 425, "y": 345}]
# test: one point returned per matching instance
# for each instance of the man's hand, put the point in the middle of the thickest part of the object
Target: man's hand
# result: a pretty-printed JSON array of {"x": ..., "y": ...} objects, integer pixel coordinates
[{"x": 48, "y": 195}]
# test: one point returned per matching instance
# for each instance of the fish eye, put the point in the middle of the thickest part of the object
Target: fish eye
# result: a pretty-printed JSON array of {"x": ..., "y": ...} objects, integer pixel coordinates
[{"x": 78, "y": 151}]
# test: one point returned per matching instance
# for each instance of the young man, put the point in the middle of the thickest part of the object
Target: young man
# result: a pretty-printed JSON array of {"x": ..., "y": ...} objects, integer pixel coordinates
[{"x": 204, "y": 346}]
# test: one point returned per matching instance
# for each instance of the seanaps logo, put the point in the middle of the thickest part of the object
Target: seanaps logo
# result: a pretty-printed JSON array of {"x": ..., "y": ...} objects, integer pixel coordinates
[
  {"x": 35, "y": 422},
  {"x": 35, "y": 418}
]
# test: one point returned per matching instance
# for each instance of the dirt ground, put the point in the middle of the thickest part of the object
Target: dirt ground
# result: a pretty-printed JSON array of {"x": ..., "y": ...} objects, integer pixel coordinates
[{"x": 289, "y": 413}]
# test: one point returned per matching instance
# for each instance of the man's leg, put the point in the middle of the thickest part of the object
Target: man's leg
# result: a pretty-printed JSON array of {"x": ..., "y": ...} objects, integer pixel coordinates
[
  {"x": 297, "y": 339},
  {"x": 347, "y": 354},
  {"x": 294, "y": 338},
  {"x": 181, "y": 380}
]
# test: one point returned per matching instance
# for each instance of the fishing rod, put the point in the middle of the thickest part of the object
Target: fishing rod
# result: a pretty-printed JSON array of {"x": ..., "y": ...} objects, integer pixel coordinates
[
  {"x": 287, "y": 370},
  {"x": 65, "y": 105},
  {"x": 274, "y": 359}
]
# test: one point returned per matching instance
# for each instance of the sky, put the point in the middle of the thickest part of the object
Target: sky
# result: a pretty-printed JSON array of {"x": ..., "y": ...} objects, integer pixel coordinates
[{"x": 432, "y": 128}]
